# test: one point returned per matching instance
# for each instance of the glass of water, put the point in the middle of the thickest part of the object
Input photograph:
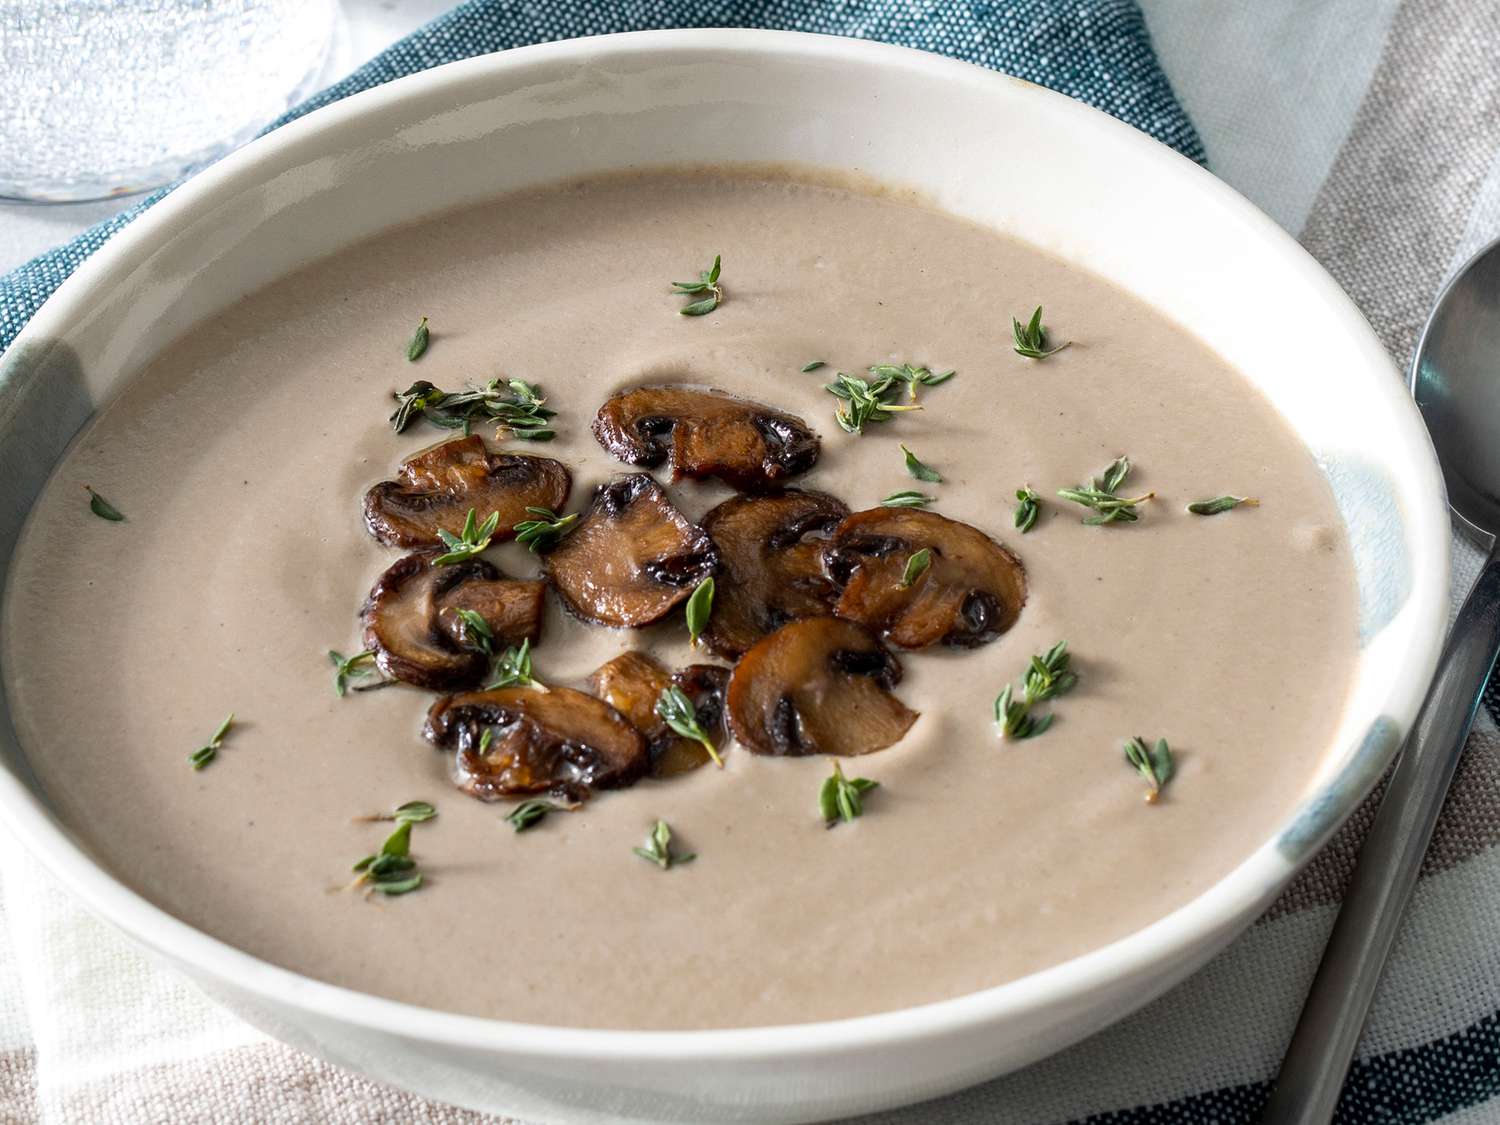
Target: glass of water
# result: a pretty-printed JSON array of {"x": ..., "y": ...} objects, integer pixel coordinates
[{"x": 108, "y": 97}]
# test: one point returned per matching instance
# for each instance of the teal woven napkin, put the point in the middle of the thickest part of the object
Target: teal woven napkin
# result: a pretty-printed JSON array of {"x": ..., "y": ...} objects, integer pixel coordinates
[{"x": 1095, "y": 50}]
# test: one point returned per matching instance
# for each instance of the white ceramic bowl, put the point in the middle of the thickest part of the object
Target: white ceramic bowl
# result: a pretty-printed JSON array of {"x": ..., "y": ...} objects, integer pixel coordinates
[{"x": 1090, "y": 189}]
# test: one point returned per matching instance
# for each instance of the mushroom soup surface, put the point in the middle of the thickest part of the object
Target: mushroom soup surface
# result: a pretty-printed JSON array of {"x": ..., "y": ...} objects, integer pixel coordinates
[{"x": 875, "y": 590}]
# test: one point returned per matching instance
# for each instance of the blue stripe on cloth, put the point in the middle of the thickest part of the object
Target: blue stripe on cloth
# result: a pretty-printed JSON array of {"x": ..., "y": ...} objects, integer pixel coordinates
[{"x": 1095, "y": 50}]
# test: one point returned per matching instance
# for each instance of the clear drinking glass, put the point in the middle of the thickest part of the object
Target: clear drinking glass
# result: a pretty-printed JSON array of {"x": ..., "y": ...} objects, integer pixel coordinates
[{"x": 108, "y": 97}]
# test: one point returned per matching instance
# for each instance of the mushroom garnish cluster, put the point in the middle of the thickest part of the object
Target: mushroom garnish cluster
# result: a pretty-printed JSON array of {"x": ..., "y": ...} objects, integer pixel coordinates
[{"x": 809, "y": 601}]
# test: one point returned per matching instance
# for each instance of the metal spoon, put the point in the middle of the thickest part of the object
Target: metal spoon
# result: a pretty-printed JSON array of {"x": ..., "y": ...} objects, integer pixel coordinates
[{"x": 1455, "y": 379}]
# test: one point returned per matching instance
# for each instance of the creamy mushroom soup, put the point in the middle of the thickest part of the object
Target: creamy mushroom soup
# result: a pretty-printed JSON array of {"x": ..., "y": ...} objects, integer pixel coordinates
[{"x": 987, "y": 693}]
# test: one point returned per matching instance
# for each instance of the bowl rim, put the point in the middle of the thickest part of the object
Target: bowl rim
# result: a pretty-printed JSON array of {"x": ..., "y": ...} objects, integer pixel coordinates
[{"x": 1223, "y": 905}]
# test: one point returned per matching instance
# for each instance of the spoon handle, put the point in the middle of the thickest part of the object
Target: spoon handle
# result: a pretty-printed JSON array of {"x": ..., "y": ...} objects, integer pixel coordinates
[{"x": 1317, "y": 1059}]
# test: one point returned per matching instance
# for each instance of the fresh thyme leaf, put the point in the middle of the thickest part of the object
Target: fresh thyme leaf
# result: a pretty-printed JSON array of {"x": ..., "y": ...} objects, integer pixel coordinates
[
  {"x": 513, "y": 668},
  {"x": 530, "y": 813},
  {"x": 207, "y": 753},
  {"x": 864, "y": 401},
  {"x": 1220, "y": 504},
  {"x": 476, "y": 631},
  {"x": 841, "y": 798},
  {"x": 911, "y": 375},
  {"x": 677, "y": 711},
  {"x": 1028, "y": 508},
  {"x": 545, "y": 531},
  {"x": 1154, "y": 763},
  {"x": 391, "y": 870},
  {"x": 414, "y": 811},
  {"x": 359, "y": 667},
  {"x": 474, "y": 538},
  {"x": 700, "y": 605},
  {"x": 708, "y": 282},
  {"x": 658, "y": 848},
  {"x": 812, "y": 365},
  {"x": 1014, "y": 716},
  {"x": 1048, "y": 675},
  {"x": 418, "y": 342},
  {"x": 916, "y": 468},
  {"x": 1102, "y": 498},
  {"x": 906, "y": 499},
  {"x": 916, "y": 566},
  {"x": 102, "y": 507},
  {"x": 516, "y": 407},
  {"x": 1030, "y": 339}
]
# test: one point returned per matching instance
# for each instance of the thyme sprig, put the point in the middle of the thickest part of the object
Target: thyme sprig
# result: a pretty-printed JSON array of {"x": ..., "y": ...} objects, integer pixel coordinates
[
  {"x": 919, "y": 470},
  {"x": 473, "y": 539},
  {"x": 906, "y": 499},
  {"x": 414, "y": 811},
  {"x": 1101, "y": 496},
  {"x": 528, "y": 814},
  {"x": 417, "y": 345},
  {"x": 1046, "y": 677},
  {"x": 865, "y": 401},
  {"x": 912, "y": 375},
  {"x": 475, "y": 632},
  {"x": 512, "y": 668},
  {"x": 675, "y": 709},
  {"x": 391, "y": 870},
  {"x": 1221, "y": 504},
  {"x": 1028, "y": 508},
  {"x": 707, "y": 283},
  {"x": 841, "y": 798},
  {"x": 102, "y": 507},
  {"x": 355, "y": 672},
  {"x": 1030, "y": 339},
  {"x": 544, "y": 530},
  {"x": 207, "y": 753},
  {"x": 1154, "y": 763},
  {"x": 515, "y": 405},
  {"x": 658, "y": 848},
  {"x": 698, "y": 609}
]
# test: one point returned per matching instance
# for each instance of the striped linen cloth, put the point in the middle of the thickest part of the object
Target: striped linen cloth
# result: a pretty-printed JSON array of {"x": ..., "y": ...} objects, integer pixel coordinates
[{"x": 1370, "y": 128}]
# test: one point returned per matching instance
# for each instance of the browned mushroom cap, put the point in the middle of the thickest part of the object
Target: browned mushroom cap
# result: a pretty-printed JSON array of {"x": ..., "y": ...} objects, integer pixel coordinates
[
  {"x": 820, "y": 686},
  {"x": 632, "y": 682},
  {"x": 411, "y": 624},
  {"x": 632, "y": 557},
  {"x": 706, "y": 433},
  {"x": 770, "y": 566},
  {"x": 556, "y": 741},
  {"x": 439, "y": 485},
  {"x": 970, "y": 592}
]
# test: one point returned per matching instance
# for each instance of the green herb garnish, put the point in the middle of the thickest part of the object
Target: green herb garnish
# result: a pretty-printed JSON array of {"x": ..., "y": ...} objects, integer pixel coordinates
[
  {"x": 418, "y": 342},
  {"x": 864, "y": 401},
  {"x": 414, "y": 811},
  {"x": 102, "y": 507},
  {"x": 916, "y": 566},
  {"x": 916, "y": 468},
  {"x": 658, "y": 848},
  {"x": 906, "y": 499},
  {"x": 677, "y": 711},
  {"x": 545, "y": 530},
  {"x": 201, "y": 757},
  {"x": 1101, "y": 496},
  {"x": 708, "y": 282},
  {"x": 474, "y": 538},
  {"x": 518, "y": 409},
  {"x": 700, "y": 605},
  {"x": 812, "y": 365},
  {"x": 530, "y": 813},
  {"x": 359, "y": 667},
  {"x": 911, "y": 375},
  {"x": 1220, "y": 504},
  {"x": 1030, "y": 339},
  {"x": 1028, "y": 508},
  {"x": 391, "y": 870},
  {"x": 841, "y": 798},
  {"x": 476, "y": 633},
  {"x": 513, "y": 668},
  {"x": 1047, "y": 676},
  {"x": 1154, "y": 763}
]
